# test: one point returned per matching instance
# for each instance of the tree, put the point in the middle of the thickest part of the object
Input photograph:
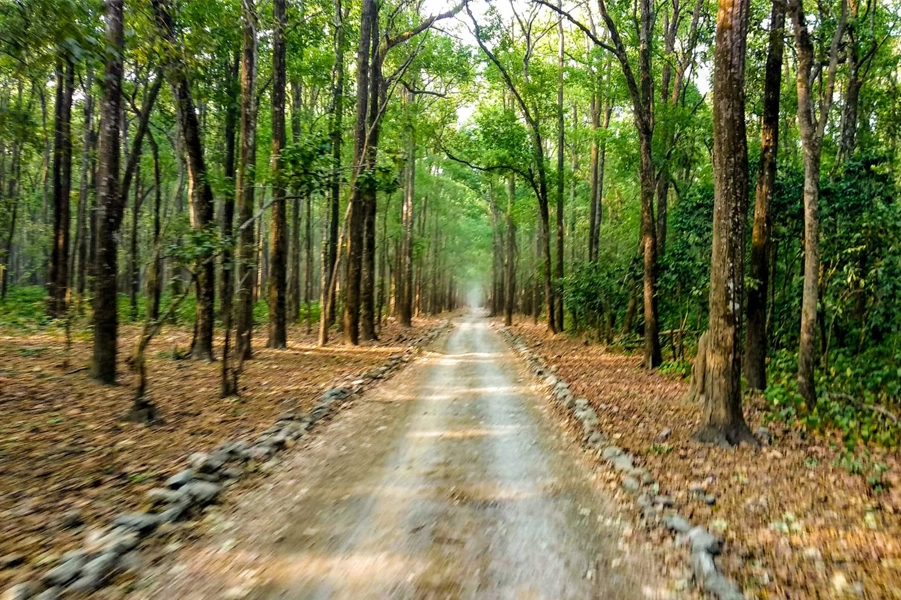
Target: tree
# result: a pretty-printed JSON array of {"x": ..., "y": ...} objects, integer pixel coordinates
[
  {"x": 812, "y": 128},
  {"x": 723, "y": 421},
  {"x": 336, "y": 114},
  {"x": 756, "y": 334},
  {"x": 405, "y": 295},
  {"x": 58, "y": 276},
  {"x": 355, "y": 208},
  {"x": 372, "y": 98},
  {"x": 109, "y": 201},
  {"x": 561, "y": 52},
  {"x": 79, "y": 269},
  {"x": 226, "y": 280},
  {"x": 641, "y": 93},
  {"x": 199, "y": 190},
  {"x": 538, "y": 171},
  {"x": 246, "y": 272},
  {"x": 278, "y": 247},
  {"x": 861, "y": 49}
]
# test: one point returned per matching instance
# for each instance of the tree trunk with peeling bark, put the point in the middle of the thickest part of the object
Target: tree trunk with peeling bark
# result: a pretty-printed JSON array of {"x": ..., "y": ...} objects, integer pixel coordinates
[{"x": 723, "y": 422}]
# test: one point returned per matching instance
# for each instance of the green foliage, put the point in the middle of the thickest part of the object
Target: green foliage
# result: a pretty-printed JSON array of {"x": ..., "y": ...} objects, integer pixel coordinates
[
  {"x": 863, "y": 465},
  {"x": 853, "y": 396},
  {"x": 682, "y": 368},
  {"x": 685, "y": 267},
  {"x": 25, "y": 307},
  {"x": 307, "y": 163},
  {"x": 660, "y": 449},
  {"x": 596, "y": 292}
]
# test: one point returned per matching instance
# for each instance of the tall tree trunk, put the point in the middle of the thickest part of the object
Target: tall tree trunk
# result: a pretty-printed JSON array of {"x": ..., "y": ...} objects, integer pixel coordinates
[
  {"x": 357, "y": 209},
  {"x": 278, "y": 264},
  {"x": 45, "y": 165},
  {"x": 13, "y": 195},
  {"x": 295, "y": 260},
  {"x": 652, "y": 354},
  {"x": 601, "y": 169},
  {"x": 858, "y": 60},
  {"x": 109, "y": 201},
  {"x": 370, "y": 195},
  {"x": 200, "y": 192},
  {"x": 510, "y": 256},
  {"x": 154, "y": 277},
  {"x": 600, "y": 121},
  {"x": 227, "y": 218},
  {"x": 58, "y": 276},
  {"x": 308, "y": 263},
  {"x": 405, "y": 274},
  {"x": 544, "y": 240},
  {"x": 641, "y": 93},
  {"x": 756, "y": 333},
  {"x": 848, "y": 140},
  {"x": 90, "y": 270},
  {"x": 723, "y": 421},
  {"x": 246, "y": 271},
  {"x": 594, "y": 211},
  {"x": 327, "y": 305},
  {"x": 295, "y": 251},
  {"x": 812, "y": 131},
  {"x": 560, "y": 150},
  {"x": 497, "y": 251},
  {"x": 134, "y": 275},
  {"x": 84, "y": 189}
]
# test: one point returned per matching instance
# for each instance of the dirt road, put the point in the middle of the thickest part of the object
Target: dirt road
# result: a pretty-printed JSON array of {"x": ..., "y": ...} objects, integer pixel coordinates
[{"x": 452, "y": 480}]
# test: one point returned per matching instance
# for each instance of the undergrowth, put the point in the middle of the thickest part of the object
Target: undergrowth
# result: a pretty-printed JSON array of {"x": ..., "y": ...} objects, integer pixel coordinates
[
  {"x": 858, "y": 395},
  {"x": 25, "y": 309}
]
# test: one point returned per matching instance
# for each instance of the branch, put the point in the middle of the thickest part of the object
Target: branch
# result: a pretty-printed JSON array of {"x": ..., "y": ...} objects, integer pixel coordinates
[
  {"x": 597, "y": 41},
  {"x": 875, "y": 408},
  {"x": 416, "y": 92},
  {"x": 527, "y": 175},
  {"x": 143, "y": 123},
  {"x": 403, "y": 37},
  {"x": 506, "y": 75}
]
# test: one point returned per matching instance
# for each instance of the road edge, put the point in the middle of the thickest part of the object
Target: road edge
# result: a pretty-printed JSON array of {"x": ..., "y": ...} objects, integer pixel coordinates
[{"x": 637, "y": 481}]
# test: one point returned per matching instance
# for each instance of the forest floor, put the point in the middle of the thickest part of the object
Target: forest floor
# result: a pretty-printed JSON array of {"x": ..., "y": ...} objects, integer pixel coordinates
[
  {"x": 802, "y": 518},
  {"x": 68, "y": 457}
]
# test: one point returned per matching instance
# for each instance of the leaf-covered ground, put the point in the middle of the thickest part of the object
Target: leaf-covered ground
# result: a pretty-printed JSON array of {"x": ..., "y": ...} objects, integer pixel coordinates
[
  {"x": 68, "y": 459},
  {"x": 802, "y": 519}
]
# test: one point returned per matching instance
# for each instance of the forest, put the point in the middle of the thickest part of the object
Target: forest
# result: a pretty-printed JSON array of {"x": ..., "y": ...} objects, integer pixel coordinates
[{"x": 188, "y": 187}]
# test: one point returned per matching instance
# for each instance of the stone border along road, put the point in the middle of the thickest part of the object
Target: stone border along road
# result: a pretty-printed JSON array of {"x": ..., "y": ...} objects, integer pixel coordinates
[
  {"x": 108, "y": 551},
  {"x": 637, "y": 481}
]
